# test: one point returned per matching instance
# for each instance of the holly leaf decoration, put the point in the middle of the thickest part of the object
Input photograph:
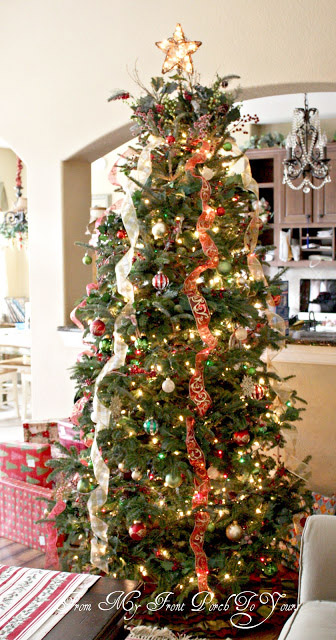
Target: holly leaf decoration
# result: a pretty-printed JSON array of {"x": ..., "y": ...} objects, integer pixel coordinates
[{"x": 118, "y": 94}]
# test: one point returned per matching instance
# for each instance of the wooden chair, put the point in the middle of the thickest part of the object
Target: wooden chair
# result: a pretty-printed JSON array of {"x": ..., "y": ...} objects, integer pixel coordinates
[{"x": 9, "y": 376}]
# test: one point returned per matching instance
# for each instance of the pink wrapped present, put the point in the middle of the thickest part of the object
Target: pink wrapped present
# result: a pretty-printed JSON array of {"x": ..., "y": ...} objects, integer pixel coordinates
[
  {"x": 68, "y": 436},
  {"x": 19, "y": 509}
]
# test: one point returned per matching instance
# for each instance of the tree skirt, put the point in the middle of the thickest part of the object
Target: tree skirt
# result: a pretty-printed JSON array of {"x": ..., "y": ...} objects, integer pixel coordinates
[
  {"x": 214, "y": 624},
  {"x": 33, "y": 601},
  {"x": 155, "y": 633}
]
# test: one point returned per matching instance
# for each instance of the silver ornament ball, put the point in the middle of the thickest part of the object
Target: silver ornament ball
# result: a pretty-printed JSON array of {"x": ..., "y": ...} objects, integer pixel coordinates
[
  {"x": 241, "y": 333},
  {"x": 159, "y": 229},
  {"x": 136, "y": 474},
  {"x": 168, "y": 385}
]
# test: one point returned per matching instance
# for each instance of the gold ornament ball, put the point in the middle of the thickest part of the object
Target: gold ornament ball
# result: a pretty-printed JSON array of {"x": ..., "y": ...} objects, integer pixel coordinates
[
  {"x": 213, "y": 473},
  {"x": 224, "y": 267},
  {"x": 234, "y": 531},
  {"x": 173, "y": 480}
]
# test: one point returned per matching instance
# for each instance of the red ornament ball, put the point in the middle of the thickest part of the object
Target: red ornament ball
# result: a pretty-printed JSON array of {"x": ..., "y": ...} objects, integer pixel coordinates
[
  {"x": 159, "y": 108},
  {"x": 137, "y": 531},
  {"x": 258, "y": 392},
  {"x": 160, "y": 281},
  {"x": 97, "y": 327},
  {"x": 170, "y": 140},
  {"x": 220, "y": 211},
  {"x": 187, "y": 96},
  {"x": 242, "y": 437},
  {"x": 121, "y": 234}
]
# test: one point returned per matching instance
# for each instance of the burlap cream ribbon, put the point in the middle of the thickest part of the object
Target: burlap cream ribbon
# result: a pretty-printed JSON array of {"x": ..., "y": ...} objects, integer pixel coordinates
[
  {"x": 101, "y": 414},
  {"x": 239, "y": 164}
]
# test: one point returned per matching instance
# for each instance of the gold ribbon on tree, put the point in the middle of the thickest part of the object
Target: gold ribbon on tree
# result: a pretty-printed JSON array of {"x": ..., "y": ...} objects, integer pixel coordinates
[
  {"x": 276, "y": 322},
  {"x": 101, "y": 414}
]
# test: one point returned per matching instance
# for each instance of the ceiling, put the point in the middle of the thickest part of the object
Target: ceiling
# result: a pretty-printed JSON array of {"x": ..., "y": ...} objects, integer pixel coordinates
[{"x": 276, "y": 109}]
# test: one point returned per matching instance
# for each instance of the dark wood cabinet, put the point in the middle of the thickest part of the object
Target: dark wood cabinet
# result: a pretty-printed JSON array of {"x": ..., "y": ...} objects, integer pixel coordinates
[
  {"x": 297, "y": 211},
  {"x": 325, "y": 198},
  {"x": 295, "y": 205}
]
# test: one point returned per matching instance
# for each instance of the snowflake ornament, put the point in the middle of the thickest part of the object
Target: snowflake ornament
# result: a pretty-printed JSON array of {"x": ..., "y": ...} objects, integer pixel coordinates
[{"x": 247, "y": 386}]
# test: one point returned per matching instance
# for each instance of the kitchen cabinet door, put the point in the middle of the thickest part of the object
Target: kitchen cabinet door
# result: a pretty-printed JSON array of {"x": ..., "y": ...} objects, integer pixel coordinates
[{"x": 295, "y": 205}]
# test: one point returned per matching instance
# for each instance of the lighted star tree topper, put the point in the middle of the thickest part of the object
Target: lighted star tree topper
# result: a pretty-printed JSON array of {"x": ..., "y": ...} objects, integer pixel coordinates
[{"x": 178, "y": 51}]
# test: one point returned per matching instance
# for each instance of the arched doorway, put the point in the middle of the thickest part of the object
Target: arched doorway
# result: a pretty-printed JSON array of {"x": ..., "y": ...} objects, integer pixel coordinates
[{"x": 14, "y": 287}]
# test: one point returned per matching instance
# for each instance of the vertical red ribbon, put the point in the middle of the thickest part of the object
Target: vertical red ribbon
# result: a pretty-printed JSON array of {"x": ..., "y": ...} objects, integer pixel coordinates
[
  {"x": 200, "y": 499},
  {"x": 197, "y": 391},
  {"x": 51, "y": 558}
]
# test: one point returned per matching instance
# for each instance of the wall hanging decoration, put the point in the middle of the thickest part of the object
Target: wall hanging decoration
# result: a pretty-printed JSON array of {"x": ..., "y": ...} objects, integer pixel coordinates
[{"x": 14, "y": 225}]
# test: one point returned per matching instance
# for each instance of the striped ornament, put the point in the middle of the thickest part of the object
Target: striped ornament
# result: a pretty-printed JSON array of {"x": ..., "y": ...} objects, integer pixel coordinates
[
  {"x": 160, "y": 281},
  {"x": 151, "y": 426},
  {"x": 258, "y": 392}
]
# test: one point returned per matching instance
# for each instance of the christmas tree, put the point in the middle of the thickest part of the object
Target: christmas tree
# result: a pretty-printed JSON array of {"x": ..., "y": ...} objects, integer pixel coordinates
[{"x": 181, "y": 482}]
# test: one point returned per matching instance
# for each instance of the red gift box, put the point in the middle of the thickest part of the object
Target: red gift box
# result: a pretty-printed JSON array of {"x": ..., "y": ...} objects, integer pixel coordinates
[
  {"x": 19, "y": 509},
  {"x": 40, "y": 432},
  {"x": 68, "y": 436},
  {"x": 25, "y": 461}
]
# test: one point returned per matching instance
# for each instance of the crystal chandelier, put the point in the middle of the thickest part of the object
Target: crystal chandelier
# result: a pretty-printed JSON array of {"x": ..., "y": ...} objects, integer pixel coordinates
[{"x": 306, "y": 151}]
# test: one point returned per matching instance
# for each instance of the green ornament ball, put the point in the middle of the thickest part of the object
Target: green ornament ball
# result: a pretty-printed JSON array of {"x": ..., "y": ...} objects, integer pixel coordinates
[
  {"x": 106, "y": 297},
  {"x": 270, "y": 569},
  {"x": 151, "y": 426},
  {"x": 251, "y": 371},
  {"x": 227, "y": 146},
  {"x": 84, "y": 485},
  {"x": 224, "y": 266},
  {"x": 173, "y": 480},
  {"x": 211, "y": 526},
  {"x": 87, "y": 259},
  {"x": 105, "y": 345}
]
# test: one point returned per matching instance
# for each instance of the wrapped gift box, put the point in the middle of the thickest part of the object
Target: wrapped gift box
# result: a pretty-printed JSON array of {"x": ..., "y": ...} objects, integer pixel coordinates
[
  {"x": 68, "y": 435},
  {"x": 25, "y": 461},
  {"x": 19, "y": 509},
  {"x": 324, "y": 505},
  {"x": 40, "y": 432}
]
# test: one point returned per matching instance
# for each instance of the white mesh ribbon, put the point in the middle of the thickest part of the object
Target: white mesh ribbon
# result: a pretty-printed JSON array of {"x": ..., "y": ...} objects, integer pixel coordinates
[{"x": 101, "y": 414}]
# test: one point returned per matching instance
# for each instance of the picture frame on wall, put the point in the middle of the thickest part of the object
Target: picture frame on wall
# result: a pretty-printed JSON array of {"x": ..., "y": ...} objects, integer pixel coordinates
[{"x": 101, "y": 200}]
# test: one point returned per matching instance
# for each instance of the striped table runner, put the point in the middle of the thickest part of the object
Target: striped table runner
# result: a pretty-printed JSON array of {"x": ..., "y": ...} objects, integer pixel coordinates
[{"x": 32, "y": 601}]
